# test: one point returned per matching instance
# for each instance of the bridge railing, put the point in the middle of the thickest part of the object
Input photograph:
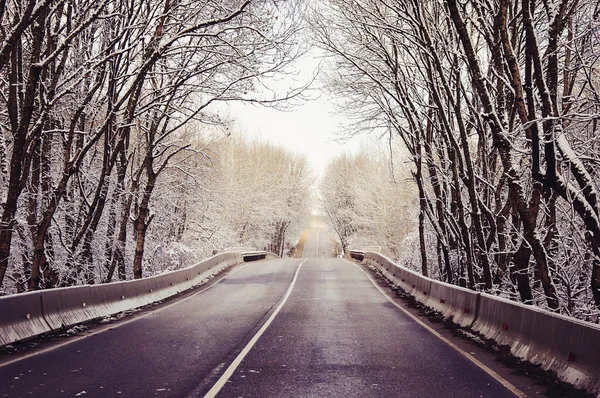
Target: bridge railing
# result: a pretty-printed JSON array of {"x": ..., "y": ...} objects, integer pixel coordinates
[
  {"x": 23, "y": 316},
  {"x": 567, "y": 346}
]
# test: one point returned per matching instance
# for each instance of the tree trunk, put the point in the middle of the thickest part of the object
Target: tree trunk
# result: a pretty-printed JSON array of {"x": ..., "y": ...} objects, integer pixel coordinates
[
  {"x": 126, "y": 199},
  {"x": 520, "y": 272},
  {"x": 422, "y": 247},
  {"x": 422, "y": 208},
  {"x": 20, "y": 123},
  {"x": 596, "y": 276},
  {"x": 504, "y": 148},
  {"x": 39, "y": 255},
  {"x": 142, "y": 222},
  {"x": 109, "y": 247}
]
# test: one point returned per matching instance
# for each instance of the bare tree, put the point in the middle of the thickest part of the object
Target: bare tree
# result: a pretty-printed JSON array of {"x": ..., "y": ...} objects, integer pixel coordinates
[
  {"x": 494, "y": 102},
  {"x": 96, "y": 95}
]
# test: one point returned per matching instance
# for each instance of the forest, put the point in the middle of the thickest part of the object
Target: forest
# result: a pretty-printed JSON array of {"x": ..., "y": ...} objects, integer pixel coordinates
[
  {"x": 496, "y": 106},
  {"x": 114, "y": 161}
]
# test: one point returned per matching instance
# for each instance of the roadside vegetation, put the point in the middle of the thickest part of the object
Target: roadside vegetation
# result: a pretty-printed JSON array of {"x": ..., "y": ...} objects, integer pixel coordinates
[
  {"x": 496, "y": 105},
  {"x": 102, "y": 171}
]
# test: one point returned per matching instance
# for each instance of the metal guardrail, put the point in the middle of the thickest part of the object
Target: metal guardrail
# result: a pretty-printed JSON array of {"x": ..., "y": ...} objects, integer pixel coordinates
[
  {"x": 23, "y": 316},
  {"x": 567, "y": 346}
]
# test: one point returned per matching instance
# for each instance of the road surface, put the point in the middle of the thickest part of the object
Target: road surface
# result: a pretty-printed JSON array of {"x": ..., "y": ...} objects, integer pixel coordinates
[{"x": 310, "y": 327}]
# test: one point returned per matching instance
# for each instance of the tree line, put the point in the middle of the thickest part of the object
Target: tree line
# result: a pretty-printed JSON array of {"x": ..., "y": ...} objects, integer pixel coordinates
[
  {"x": 497, "y": 103},
  {"x": 97, "y": 99},
  {"x": 367, "y": 201}
]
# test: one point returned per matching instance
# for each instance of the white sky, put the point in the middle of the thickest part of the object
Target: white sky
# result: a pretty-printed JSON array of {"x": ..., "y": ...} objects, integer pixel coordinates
[{"x": 308, "y": 129}]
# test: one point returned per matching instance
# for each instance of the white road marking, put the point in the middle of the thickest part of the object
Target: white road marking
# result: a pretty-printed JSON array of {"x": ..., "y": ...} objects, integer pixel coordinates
[
  {"x": 238, "y": 360},
  {"x": 110, "y": 326},
  {"x": 475, "y": 361}
]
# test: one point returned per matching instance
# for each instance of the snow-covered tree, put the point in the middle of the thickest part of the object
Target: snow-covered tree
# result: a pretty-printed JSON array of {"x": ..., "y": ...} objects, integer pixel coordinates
[
  {"x": 497, "y": 104},
  {"x": 369, "y": 200},
  {"x": 95, "y": 95}
]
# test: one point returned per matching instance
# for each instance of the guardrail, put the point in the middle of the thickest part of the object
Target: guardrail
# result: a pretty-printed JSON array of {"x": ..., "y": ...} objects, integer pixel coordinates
[
  {"x": 257, "y": 255},
  {"x": 23, "y": 316},
  {"x": 357, "y": 254},
  {"x": 251, "y": 254},
  {"x": 567, "y": 346}
]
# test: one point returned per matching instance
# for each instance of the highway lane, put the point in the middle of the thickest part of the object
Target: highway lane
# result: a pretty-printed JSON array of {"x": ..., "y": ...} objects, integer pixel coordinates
[
  {"x": 337, "y": 336},
  {"x": 175, "y": 352},
  {"x": 326, "y": 332}
]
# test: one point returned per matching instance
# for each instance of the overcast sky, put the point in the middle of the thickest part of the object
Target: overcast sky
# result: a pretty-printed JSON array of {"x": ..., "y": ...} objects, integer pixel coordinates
[{"x": 308, "y": 127}]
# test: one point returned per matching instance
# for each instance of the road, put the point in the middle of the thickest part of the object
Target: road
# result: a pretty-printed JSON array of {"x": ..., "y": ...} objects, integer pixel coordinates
[
  {"x": 317, "y": 244},
  {"x": 310, "y": 327}
]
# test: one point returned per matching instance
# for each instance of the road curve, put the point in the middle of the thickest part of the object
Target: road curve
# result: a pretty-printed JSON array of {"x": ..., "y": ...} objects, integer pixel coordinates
[{"x": 335, "y": 335}]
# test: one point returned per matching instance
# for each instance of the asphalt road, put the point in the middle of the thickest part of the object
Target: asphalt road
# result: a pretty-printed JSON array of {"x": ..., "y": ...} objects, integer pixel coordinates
[
  {"x": 317, "y": 244},
  {"x": 326, "y": 332}
]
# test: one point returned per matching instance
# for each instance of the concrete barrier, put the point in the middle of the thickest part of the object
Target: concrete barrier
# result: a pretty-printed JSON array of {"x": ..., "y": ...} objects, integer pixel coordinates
[
  {"x": 118, "y": 296},
  {"x": 21, "y": 317},
  {"x": 254, "y": 255},
  {"x": 382, "y": 263},
  {"x": 404, "y": 278},
  {"x": 388, "y": 265},
  {"x": 422, "y": 289},
  {"x": 271, "y": 256},
  {"x": 357, "y": 255},
  {"x": 69, "y": 306},
  {"x": 567, "y": 346},
  {"x": 454, "y": 302},
  {"x": 26, "y": 315},
  {"x": 413, "y": 283},
  {"x": 240, "y": 249},
  {"x": 370, "y": 259},
  {"x": 451, "y": 301},
  {"x": 363, "y": 249},
  {"x": 66, "y": 307},
  {"x": 72, "y": 305}
]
